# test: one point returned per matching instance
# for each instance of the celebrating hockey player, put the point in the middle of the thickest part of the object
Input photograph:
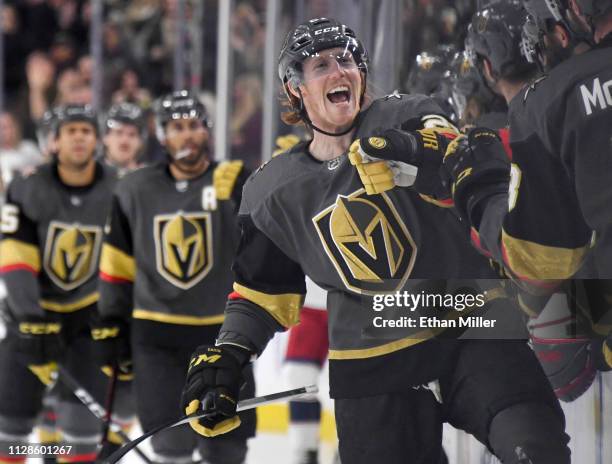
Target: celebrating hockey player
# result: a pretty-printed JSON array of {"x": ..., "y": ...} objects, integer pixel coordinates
[
  {"x": 560, "y": 141},
  {"x": 306, "y": 212},
  {"x": 165, "y": 274},
  {"x": 51, "y": 237},
  {"x": 494, "y": 36},
  {"x": 124, "y": 136}
]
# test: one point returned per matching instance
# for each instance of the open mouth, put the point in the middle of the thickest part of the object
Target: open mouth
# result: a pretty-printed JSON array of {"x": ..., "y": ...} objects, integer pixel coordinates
[{"x": 339, "y": 94}]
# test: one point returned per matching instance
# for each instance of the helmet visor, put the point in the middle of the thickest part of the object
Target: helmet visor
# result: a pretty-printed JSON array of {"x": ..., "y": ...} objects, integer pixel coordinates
[{"x": 324, "y": 63}]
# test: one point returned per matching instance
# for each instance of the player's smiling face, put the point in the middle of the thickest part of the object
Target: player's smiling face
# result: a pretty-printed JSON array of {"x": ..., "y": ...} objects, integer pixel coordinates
[{"x": 331, "y": 89}]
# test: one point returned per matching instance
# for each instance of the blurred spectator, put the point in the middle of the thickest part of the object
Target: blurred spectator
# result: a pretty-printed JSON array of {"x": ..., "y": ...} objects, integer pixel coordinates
[
  {"x": 63, "y": 51},
  {"x": 16, "y": 155},
  {"x": 39, "y": 16},
  {"x": 40, "y": 73},
  {"x": 72, "y": 89},
  {"x": 85, "y": 66},
  {"x": 246, "y": 120},
  {"x": 117, "y": 56},
  {"x": 130, "y": 90},
  {"x": 14, "y": 50},
  {"x": 247, "y": 38}
]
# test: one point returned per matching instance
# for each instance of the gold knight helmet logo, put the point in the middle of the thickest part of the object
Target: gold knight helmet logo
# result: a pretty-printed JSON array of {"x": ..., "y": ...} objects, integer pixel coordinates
[
  {"x": 367, "y": 242},
  {"x": 183, "y": 247},
  {"x": 71, "y": 253}
]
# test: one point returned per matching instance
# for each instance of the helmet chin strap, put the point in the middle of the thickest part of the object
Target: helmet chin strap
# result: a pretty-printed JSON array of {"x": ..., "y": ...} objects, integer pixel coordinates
[{"x": 308, "y": 121}]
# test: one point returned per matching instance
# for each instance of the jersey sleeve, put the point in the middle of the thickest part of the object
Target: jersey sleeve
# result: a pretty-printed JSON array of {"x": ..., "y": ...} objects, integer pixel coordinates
[
  {"x": 537, "y": 230},
  {"x": 269, "y": 291},
  {"x": 117, "y": 265},
  {"x": 20, "y": 259}
]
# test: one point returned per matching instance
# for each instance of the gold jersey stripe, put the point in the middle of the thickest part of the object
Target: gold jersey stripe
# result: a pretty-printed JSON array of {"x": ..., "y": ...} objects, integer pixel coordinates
[
  {"x": 285, "y": 308},
  {"x": 116, "y": 263},
  {"x": 534, "y": 261},
  {"x": 607, "y": 354},
  {"x": 15, "y": 252},
  {"x": 181, "y": 319},
  {"x": 364, "y": 353},
  {"x": 70, "y": 307}
]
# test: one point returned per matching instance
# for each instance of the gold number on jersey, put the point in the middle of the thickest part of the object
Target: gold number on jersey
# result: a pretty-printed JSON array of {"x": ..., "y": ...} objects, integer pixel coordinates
[
  {"x": 515, "y": 182},
  {"x": 9, "y": 222}
]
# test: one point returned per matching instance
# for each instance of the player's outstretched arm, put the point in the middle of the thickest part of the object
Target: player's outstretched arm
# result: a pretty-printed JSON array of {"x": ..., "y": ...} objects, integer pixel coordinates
[{"x": 268, "y": 294}]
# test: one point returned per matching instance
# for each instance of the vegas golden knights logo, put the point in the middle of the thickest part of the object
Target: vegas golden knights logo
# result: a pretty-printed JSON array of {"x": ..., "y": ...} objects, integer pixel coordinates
[
  {"x": 368, "y": 243},
  {"x": 71, "y": 253},
  {"x": 183, "y": 247}
]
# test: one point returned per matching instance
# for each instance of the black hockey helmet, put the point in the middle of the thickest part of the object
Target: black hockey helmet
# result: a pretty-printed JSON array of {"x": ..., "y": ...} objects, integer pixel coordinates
[
  {"x": 313, "y": 36},
  {"x": 428, "y": 70},
  {"x": 125, "y": 113},
  {"x": 181, "y": 104},
  {"x": 495, "y": 33},
  {"x": 74, "y": 113},
  {"x": 544, "y": 15},
  {"x": 467, "y": 83}
]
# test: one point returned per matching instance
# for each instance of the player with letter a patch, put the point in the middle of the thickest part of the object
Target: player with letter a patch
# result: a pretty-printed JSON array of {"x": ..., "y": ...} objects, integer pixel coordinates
[
  {"x": 165, "y": 274},
  {"x": 342, "y": 209},
  {"x": 52, "y": 228}
]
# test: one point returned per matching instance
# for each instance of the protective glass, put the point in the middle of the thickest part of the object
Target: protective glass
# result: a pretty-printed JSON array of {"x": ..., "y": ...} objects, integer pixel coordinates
[{"x": 326, "y": 63}]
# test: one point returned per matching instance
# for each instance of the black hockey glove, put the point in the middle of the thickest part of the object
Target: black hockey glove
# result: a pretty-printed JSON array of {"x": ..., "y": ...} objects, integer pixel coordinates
[
  {"x": 412, "y": 159},
  {"x": 39, "y": 345},
  {"x": 213, "y": 383},
  {"x": 112, "y": 346},
  {"x": 601, "y": 351},
  {"x": 476, "y": 167}
]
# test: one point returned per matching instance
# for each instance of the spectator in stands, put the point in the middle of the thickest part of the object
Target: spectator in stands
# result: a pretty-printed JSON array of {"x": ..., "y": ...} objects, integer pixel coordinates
[
  {"x": 40, "y": 74},
  {"x": 130, "y": 90},
  {"x": 16, "y": 154}
]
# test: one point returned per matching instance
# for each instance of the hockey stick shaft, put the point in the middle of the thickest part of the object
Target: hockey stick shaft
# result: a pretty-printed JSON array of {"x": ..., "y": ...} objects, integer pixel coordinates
[
  {"x": 84, "y": 396},
  {"x": 110, "y": 403},
  {"x": 242, "y": 406},
  {"x": 94, "y": 407}
]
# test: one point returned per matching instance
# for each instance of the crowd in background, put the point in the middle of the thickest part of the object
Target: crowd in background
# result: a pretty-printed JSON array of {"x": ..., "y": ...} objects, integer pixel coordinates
[{"x": 47, "y": 60}]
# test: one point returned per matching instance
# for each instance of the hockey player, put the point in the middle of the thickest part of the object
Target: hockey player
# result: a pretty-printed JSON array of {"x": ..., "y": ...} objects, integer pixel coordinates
[
  {"x": 51, "y": 236},
  {"x": 473, "y": 101},
  {"x": 560, "y": 141},
  {"x": 430, "y": 75},
  {"x": 306, "y": 212},
  {"x": 124, "y": 136},
  {"x": 493, "y": 45},
  {"x": 165, "y": 273},
  {"x": 306, "y": 355}
]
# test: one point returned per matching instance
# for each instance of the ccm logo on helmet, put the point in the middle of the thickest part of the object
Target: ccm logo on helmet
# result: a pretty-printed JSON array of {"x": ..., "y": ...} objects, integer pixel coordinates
[
  {"x": 327, "y": 29},
  {"x": 599, "y": 96}
]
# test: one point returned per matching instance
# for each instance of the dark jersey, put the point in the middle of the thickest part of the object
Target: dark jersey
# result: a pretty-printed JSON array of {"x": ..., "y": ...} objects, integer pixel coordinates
[
  {"x": 169, "y": 245},
  {"x": 303, "y": 217},
  {"x": 561, "y": 181},
  {"x": 51, "y": 240}
]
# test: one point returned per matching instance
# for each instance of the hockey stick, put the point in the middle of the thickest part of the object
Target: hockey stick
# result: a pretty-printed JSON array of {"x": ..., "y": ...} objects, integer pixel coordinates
[
  {"x": 94, "y": 407},
  {"x": 110, "y": 403},
  {"x": 63, "y": 375},
  {"x": 242, "y": 406}
]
